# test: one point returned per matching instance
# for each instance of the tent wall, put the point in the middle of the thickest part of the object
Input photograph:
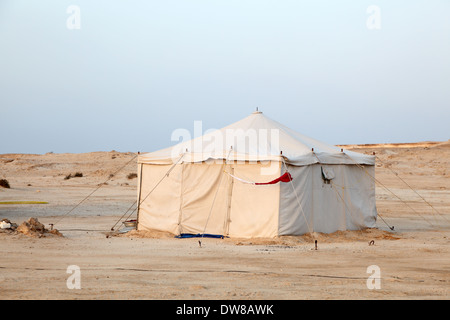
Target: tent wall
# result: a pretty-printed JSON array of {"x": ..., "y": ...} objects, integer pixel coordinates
[
  {"x": 295, "y": 219},
  {"x": 161, "y": 209},
  {"x": 182, "y": 202},
  {"x": 254, "y": 208},
  {"x": 199, "y": 195},
  {"x": 346, "y": 203}
]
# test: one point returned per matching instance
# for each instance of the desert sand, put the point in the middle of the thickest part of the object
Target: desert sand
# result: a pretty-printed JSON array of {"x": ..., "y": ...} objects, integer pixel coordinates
[{"x": 413, "y": 259}]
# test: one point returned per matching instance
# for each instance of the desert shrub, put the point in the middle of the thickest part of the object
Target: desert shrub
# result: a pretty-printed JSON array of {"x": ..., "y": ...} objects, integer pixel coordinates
[
  {"x": 4, "y": 183},
  {"x": 68, "y": 177},
  {"x": 132, "y": 176}
]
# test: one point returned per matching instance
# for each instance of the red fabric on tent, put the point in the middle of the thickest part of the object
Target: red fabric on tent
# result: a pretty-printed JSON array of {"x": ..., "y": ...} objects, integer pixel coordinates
[{"x": 284, "y": 178}]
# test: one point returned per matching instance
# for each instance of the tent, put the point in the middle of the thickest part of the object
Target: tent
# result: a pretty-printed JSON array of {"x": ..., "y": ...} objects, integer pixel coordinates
[{"x": 255, "y": 178}]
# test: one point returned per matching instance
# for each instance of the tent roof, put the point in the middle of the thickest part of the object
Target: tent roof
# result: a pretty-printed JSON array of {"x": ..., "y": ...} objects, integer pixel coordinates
[{"x": 256, "y": 138}]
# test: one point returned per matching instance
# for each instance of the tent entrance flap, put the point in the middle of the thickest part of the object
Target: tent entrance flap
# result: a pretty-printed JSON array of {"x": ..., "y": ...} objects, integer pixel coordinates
[{"x": 203, "y": 197}]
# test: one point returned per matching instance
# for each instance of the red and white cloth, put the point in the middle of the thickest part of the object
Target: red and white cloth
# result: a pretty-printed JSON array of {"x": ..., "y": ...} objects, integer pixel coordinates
[{"x": 286, "y": 177}]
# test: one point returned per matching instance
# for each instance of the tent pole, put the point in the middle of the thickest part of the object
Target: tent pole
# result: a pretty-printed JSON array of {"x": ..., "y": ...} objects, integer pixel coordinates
[
  {"x": 181, "y": 200},
  {"x": 215, "y": 195},
  {"x": 230, "y": 194}
]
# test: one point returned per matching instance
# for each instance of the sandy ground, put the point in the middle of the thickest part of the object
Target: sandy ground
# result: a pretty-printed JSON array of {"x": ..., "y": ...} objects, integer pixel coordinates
[{"x": 414, "y": 260}]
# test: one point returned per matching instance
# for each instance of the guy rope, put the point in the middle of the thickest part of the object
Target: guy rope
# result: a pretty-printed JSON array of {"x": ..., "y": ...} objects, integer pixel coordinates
[
  {"x": 95, "y": 190},
  {"x": 409, "y": 186},
  {"x": 142, "y": 201},
  {"x": 389, "y": 190}
]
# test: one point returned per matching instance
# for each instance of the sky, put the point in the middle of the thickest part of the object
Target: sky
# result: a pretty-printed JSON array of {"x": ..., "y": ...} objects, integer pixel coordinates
[{"x": 123, "y": 75}]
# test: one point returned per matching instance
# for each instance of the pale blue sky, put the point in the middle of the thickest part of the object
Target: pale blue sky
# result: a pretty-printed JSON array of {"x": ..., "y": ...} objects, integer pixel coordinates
[{"x": 137, "y": 70}]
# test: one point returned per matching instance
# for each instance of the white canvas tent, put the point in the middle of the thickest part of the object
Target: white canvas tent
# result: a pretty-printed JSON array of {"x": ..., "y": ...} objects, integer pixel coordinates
[{"x": 209, "y": 185}]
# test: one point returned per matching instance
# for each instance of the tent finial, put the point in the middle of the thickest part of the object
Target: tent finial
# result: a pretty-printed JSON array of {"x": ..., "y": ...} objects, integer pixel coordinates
[{"x": 257, "y": 111}]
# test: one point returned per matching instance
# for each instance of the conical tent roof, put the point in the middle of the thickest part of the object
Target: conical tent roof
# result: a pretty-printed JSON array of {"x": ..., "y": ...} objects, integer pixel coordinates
[{"x": 256, "y": 138}]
